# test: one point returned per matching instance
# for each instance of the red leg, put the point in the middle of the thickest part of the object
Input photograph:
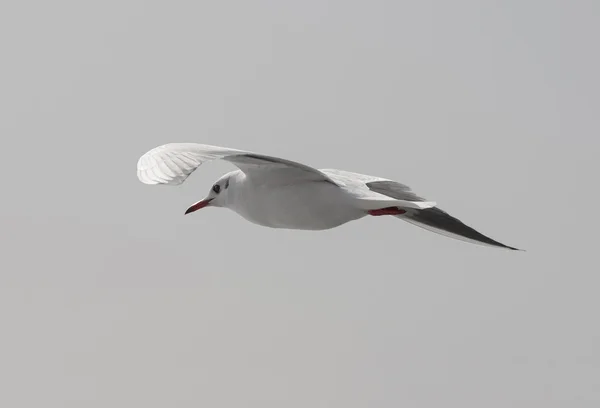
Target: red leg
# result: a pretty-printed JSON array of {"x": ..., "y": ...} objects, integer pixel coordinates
[{"x": 387, "y": 211}]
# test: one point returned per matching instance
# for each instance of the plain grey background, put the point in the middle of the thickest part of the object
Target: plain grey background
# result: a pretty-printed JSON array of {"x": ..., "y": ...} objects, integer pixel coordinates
[{"x": 111, "y": 297}]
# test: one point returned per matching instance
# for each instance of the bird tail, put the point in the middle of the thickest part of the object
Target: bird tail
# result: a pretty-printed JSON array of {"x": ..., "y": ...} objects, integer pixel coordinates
[{"x": 440, "y": 222}]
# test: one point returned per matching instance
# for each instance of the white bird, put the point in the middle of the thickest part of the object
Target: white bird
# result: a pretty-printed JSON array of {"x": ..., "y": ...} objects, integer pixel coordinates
[{"x": 279, "y": 193}]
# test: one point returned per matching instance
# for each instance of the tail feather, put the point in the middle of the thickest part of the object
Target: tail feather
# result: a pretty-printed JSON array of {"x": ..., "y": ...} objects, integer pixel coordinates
[{"x": 439, "y": 221}]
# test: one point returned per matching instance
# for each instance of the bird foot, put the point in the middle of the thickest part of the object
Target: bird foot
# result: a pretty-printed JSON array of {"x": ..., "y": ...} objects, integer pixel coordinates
[{"x": 387, "y": 211}]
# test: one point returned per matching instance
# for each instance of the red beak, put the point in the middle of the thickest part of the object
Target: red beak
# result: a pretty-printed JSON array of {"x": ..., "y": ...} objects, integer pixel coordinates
[{"x": 198, "y": 205}]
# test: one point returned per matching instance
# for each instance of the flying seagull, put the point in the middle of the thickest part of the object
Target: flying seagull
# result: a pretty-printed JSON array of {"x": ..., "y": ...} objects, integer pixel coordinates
[{"x": 280, "y": 193}]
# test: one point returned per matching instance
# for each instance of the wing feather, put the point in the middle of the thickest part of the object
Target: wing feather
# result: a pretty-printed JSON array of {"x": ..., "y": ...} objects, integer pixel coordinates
[
  {"x": 440, "y": 222},
  {"x": 173, "y": 163},
  {"x": 376, "y": 191}
]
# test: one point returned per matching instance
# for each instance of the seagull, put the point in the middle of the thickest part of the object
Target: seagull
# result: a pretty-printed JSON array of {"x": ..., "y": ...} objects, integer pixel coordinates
[{"x": 279, "y": 193}]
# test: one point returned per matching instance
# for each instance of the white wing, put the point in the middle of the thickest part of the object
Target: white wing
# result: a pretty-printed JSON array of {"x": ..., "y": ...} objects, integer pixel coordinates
[
  {"x": 371, "y": 189},
  {"x": 173, "y": 163}
]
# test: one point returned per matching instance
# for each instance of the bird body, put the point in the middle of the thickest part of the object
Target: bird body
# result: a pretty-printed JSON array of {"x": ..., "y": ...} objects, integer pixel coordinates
[
  {"x": 279, "y": 193},
  {"x": 317, "y": 205}
]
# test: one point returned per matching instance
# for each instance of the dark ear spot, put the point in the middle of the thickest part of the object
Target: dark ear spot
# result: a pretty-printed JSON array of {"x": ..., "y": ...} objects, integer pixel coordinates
[{"x": 227, "y": 183}]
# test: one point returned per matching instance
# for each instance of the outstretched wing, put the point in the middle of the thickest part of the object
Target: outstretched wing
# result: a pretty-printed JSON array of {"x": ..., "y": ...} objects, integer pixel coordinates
[
  {"x": 371, "y": 189},
  {"x": 173, "y": 163},
  {"x": 440, "y": 222},
  {"x": 418, "y": 211}
]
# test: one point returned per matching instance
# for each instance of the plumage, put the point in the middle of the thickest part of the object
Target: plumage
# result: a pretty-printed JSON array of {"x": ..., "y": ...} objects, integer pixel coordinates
[{"x": 280, "y": 193}]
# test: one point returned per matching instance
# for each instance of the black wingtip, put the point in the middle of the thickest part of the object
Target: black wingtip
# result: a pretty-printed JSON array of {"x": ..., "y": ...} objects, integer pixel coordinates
[
  {"x": 513, "y": 249},
  {"x": 440, "y": 220},
  {"x": 516, "y": 249}
]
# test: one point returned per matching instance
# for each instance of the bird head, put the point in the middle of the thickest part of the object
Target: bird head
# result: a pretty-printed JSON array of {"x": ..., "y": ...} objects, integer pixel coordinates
[{"x": 217, "y": 196}]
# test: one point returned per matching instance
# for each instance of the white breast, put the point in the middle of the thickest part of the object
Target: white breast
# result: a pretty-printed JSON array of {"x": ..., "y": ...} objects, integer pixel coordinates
[{"x": 305, "y": 206}]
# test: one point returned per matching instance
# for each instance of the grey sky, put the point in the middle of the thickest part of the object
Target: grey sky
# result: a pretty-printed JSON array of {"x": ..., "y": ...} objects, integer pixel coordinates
[{"x": 111, "y": 297}]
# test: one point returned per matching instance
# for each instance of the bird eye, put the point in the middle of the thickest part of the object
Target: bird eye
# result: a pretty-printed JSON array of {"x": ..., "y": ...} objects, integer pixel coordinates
[{"x": 216, "y": 188}]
